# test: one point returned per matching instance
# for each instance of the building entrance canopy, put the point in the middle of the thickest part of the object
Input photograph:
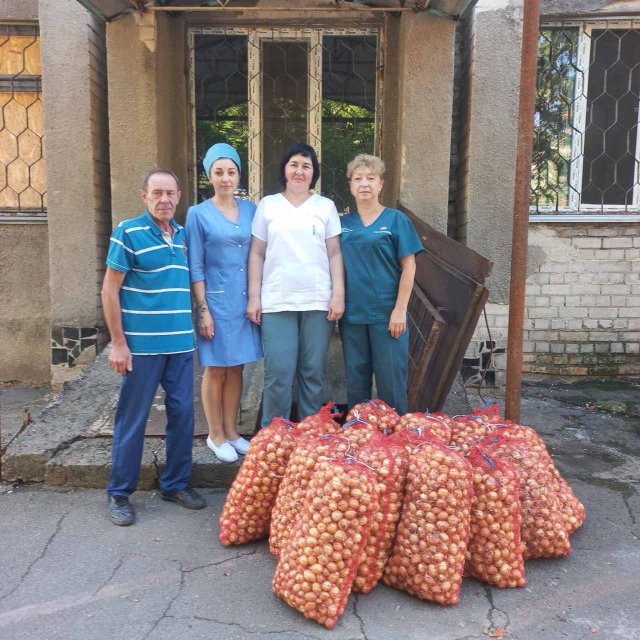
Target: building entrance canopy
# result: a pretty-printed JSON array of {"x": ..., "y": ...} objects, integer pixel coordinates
[{"x": 114, "y": 9}]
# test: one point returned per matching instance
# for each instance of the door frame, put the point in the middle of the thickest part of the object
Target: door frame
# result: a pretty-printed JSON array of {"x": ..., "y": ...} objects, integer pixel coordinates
[{"x": 255, "y": 36}]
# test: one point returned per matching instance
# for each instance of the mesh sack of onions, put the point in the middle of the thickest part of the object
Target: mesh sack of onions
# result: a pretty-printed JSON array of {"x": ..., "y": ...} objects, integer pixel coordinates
[
  {"x": 320, "y": 423},
  {"x": 467, "y": 430},
  {"x": 377, "y": 413},
  {"x": 439, "y": 424},
  {"x": 543, "y": 530},
  {"x": 318, "y": 565},
  {"x": 359, "y": 432},
  {"x": 247, "y": 509},
  {"x": 390, "y": 465},
  {"x": 573, "y": 511},
  {"x": 410, "y": 439},
  {"x": 428, "y": 554},
  {"x": 494, "y": 552},
  {"x": 294, "y": 485},
  {"x": 490, "y": 411}
]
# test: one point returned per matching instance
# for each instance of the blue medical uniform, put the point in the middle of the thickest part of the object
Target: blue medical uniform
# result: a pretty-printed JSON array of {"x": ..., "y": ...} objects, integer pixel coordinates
[
  {"x": 372, "y": 276},
  {"x": 218, "y": 253}
]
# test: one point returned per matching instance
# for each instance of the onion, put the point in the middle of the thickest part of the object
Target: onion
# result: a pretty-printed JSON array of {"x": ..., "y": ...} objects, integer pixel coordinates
[
  {"x": 320, "y": 591},
  {"x": 293, "y": 489},
  {"x": 428, "y": 554},
  {"x": 493, "y": 555},
  {"x": 377, "y": 413},
  {"x": 247, "y": 510}
]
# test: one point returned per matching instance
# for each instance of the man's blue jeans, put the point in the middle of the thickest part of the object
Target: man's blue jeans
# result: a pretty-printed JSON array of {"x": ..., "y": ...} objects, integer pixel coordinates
[{"x": 175, "y": 373}]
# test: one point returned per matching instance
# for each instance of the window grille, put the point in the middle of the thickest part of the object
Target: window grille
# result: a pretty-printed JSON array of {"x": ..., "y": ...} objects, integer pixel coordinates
[
  {"x": 263, "y": 89},
  {"x": 586, "y": 148},
  {"x": 22, "y": 163}
]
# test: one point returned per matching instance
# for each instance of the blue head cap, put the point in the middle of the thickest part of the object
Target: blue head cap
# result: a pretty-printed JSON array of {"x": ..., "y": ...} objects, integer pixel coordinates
[{"x": 217, "y": 151}]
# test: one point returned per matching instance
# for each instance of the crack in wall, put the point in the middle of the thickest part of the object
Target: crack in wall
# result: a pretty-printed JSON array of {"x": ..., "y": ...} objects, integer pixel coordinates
[
  {"x": 495, "y": 622},
  {"x": 39, "y": 557}
]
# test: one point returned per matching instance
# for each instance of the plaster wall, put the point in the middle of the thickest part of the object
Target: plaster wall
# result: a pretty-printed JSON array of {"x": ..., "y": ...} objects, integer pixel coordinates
[
  {"x": 172, "y": 104},
  {"x": 66, "y": 77},
  {"x": 390, "y": 147},
  {"x": 24, "y": 300},
  {"x": 426, "y": 54},
  {"x": 133, "y": 133},
  {"x": 491, "y": 153},
  {"x": 548, "y": 7},
  {"x": 22, "y": 10}
]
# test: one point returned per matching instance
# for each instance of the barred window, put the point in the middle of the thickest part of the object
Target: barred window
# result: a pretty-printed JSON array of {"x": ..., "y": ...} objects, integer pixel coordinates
[
  {"x": 263, "y": 89},
  {"x": 22, "y": 163},
  {"x": 586, "y": 151}
]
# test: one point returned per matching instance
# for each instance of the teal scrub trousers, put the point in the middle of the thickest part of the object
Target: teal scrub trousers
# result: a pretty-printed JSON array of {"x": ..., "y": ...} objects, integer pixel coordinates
[
  {"x": 369, "y": 350},
  {"x": 295, "y": 345}
]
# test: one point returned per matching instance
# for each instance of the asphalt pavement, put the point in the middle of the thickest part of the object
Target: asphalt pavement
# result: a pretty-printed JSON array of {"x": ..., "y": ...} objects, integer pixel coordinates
[{"x": 68, "y": 573}]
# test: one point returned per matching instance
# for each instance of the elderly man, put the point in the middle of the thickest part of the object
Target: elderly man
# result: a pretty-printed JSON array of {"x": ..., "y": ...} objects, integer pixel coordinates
[{"x": 146, "y": 301}]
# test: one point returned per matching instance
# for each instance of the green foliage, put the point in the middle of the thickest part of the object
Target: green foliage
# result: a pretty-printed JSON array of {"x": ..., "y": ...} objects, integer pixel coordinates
[
  {"x": 229, "y": 125},
  {"x": 557, "y": 68},
  {"x": 347, "y": 130}
]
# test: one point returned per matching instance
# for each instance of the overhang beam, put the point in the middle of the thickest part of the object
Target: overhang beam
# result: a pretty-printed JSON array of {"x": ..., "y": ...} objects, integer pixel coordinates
[{"x": 113, "y": 9}]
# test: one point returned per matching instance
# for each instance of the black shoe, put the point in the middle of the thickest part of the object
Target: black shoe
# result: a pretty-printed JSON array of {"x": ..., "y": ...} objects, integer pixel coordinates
[
  {"x": 188, "y": 498},
  {"x": 121, "y": 511}
]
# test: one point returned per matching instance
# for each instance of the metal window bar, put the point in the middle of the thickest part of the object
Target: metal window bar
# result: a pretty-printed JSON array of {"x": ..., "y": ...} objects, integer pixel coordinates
[
  {"x": 23, "y": 193},
  {"x": 587, "y": 148},
  {"x": 207, "y": 119}
]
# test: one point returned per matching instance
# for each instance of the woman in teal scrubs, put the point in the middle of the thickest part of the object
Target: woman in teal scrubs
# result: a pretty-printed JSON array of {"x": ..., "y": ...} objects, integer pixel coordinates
[{"x": 379, "y": 246}]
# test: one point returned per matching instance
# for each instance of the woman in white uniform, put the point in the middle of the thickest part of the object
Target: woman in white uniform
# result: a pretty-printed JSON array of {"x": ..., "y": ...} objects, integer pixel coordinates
[{"x": 296, "y": 285}]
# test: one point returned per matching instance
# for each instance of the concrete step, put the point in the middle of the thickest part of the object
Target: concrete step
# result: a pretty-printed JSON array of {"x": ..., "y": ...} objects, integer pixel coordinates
[
  {"x": 69, "y": 444},
  {"x": 87, "y": 463}
]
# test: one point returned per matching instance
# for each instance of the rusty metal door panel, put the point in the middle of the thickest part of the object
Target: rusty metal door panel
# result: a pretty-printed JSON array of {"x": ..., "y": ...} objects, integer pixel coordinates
[
  {"x": 426, "y": 326},
  {"x": 451, "y": 278}
]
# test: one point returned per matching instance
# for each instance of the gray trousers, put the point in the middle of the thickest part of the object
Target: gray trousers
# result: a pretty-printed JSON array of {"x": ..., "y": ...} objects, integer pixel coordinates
[{"x": 295, "y": 345}]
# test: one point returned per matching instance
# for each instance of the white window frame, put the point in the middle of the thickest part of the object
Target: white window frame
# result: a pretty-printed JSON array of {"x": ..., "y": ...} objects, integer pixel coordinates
[
  {"x": 577, "y": 211},
  {"x": 255, "y": 37}
]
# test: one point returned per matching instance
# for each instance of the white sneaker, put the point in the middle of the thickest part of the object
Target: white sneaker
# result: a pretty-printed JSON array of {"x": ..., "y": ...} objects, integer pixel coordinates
[
  {"x": 224, "y": 452},
  {"x": 240, "y": 445}
]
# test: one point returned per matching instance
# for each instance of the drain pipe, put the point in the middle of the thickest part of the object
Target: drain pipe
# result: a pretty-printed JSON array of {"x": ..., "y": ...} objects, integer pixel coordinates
[{"x": 526, "y": 110}]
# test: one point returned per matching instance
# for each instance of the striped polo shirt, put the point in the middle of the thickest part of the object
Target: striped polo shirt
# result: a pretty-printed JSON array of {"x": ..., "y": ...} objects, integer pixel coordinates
[{"x": 154, "y": 297}]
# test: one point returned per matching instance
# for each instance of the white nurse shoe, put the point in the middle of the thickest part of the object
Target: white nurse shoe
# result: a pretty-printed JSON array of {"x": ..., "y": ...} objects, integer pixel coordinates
[
  {"x": 240, "y": 445},
  {"x": 224, "y": 452}
]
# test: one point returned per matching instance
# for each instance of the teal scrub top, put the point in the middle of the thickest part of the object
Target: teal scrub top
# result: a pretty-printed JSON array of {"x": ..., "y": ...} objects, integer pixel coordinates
[{"x": 372, "y": 263}]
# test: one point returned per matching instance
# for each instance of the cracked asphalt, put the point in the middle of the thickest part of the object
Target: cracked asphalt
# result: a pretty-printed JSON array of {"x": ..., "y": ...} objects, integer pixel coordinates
[{"x": 67, "y": 573}]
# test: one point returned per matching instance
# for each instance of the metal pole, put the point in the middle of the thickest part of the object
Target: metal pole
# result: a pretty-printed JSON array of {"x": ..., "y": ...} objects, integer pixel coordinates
[{"x": 528, "y": 66}]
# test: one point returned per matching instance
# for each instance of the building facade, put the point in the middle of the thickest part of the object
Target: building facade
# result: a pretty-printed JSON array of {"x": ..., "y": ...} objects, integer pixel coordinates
[
  {"x": 98, "y": 92},
  {"x": 583, "y": 283}
]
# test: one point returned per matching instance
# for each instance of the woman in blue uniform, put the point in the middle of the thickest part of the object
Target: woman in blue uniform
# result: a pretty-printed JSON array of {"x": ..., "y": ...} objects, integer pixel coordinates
[
  {"x": 219, "y": 238},
  {"x": 379, "y": 246}
]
